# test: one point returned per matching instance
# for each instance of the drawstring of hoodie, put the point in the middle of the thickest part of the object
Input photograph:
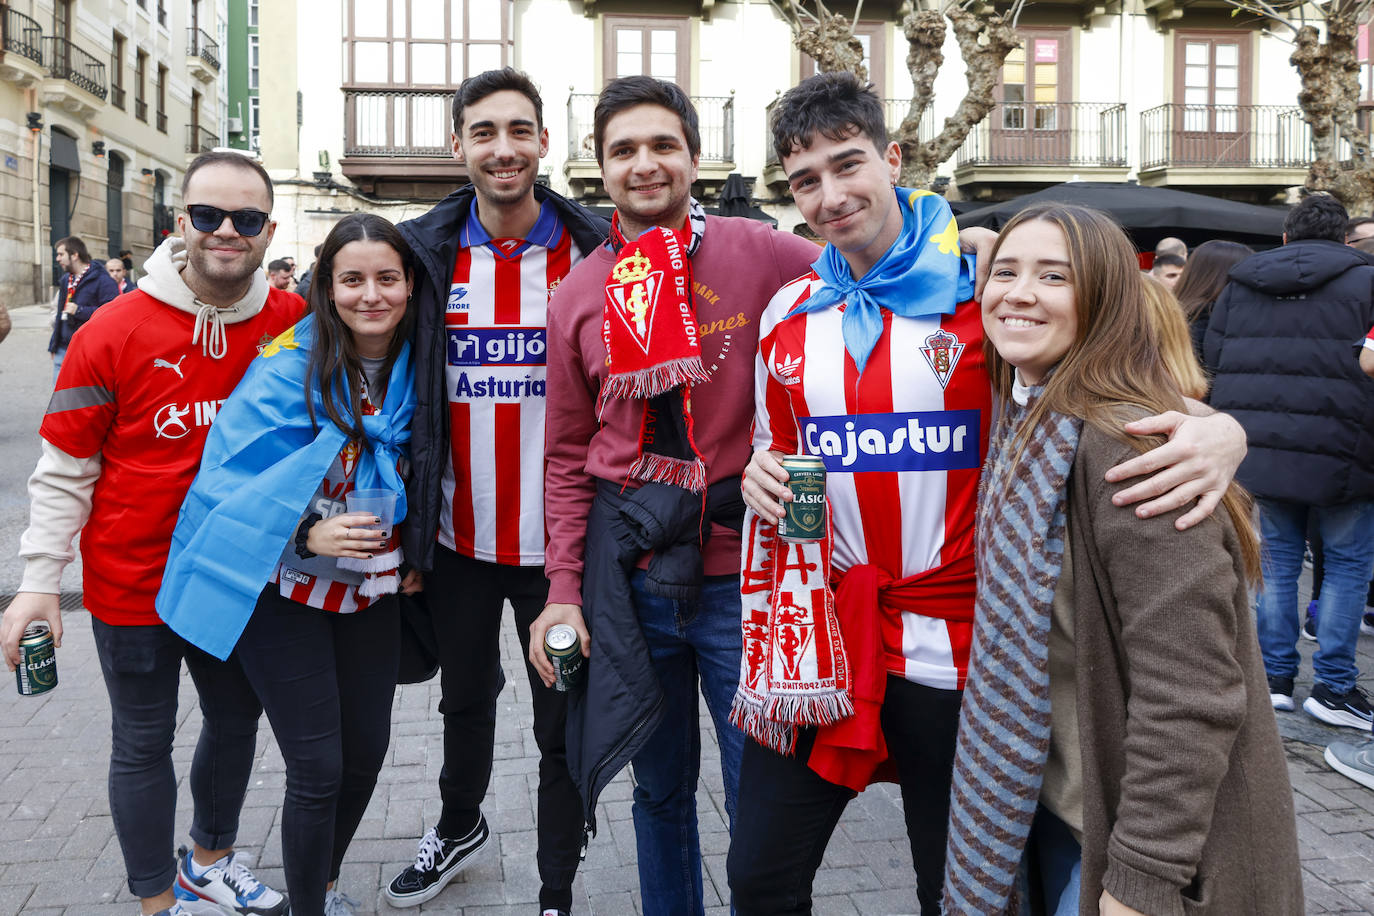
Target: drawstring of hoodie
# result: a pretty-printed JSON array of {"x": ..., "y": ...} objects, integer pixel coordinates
[{"x": 209, "y": 320}]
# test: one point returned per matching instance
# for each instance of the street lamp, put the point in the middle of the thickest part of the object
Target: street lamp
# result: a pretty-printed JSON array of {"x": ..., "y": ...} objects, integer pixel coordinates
[
  {"x": 98, "y": 148},
  {"x": 35, "y": 121}
]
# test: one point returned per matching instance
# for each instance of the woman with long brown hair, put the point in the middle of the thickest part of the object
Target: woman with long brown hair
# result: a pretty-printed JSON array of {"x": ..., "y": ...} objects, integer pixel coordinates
[
  {"x": 1202, "y": 280},
  {"x": 1116, "y": 732},
  {"x": 270, "y": 567}
]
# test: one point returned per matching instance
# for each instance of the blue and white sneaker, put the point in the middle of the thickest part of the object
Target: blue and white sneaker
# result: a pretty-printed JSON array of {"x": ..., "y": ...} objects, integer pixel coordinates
[
  {"x": 228, "y": 884},
  {"x": 339, "y": 904}
]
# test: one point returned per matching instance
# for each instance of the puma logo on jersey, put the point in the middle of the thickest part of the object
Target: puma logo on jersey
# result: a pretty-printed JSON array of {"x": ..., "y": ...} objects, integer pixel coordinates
[{"x": 160, "y": 363}]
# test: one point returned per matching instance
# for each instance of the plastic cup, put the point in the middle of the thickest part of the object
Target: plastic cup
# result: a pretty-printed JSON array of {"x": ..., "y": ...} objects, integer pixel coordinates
[{"x": 381, "y": 503}]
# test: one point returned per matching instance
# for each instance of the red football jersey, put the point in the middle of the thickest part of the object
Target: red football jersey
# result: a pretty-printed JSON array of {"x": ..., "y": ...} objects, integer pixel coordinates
[{"x": 135, "y": 389}]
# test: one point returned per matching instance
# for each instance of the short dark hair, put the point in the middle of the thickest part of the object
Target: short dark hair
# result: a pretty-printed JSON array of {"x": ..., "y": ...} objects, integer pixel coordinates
[
  {"x": 835, "y": 105},
  {"x": 1169, "y": 260},
  {"x": 629, "y": 91},
  {"x": 1317, "y": 216},
  {"x": 1355, "y": 223},
  {"x": 75, "y": 246},
  {"x": 228, "y": 157},
  {"x": 476, "y": 88},
  {"x": 278, "y": 264}
]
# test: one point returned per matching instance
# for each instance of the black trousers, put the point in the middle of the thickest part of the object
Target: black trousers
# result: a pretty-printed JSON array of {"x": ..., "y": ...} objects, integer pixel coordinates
[
  {"x": 466, "y": 598},
  {"x": 326, "y": 682},
  {"x": 787, "y": 812}
]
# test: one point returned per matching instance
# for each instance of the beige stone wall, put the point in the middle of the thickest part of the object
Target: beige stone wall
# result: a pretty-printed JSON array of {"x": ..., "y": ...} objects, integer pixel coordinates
[{"x": 143, "y": 146}]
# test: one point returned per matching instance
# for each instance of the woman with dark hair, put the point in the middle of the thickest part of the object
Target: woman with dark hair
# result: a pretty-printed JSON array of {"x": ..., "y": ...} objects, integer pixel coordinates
[
  {"x": 1116, "y": 734},
  {"x": 269, "y": 566},
  {"x": 1202, "y": 281}
]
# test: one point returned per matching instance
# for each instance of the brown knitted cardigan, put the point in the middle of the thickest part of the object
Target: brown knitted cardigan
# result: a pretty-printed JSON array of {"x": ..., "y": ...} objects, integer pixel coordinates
[{"x": 1187, "y": 803}]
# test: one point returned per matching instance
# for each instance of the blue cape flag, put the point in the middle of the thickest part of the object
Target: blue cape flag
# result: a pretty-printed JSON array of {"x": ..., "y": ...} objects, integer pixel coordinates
[
  {"x": 922, "y": 274},
  {"x": 263, "y": 462}
]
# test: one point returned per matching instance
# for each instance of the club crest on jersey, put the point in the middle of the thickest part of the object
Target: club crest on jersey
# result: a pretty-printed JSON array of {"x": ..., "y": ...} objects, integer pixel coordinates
[
  {"x": 789, "y": 369},
  {"x": 635, "y": 296},
  {"x": 942, "y": 350},
  {"x": 348, "y": 457},
  {"x": 455, "y": 299}
]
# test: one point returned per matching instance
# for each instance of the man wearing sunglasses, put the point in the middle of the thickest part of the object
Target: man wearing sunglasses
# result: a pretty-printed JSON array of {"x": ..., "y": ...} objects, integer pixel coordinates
[{"x": 122, "y": 440}]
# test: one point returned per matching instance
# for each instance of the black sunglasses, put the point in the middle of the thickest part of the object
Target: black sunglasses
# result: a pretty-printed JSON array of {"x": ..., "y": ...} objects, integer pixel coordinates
[{"x": 206, "y": 218}]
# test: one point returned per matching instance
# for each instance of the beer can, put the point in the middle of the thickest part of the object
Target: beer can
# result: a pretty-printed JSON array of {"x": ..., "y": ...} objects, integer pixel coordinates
[
  {"x": 37, "y": 669},
  {"x": 805, "y": 518},
  {"x": 564, "y": 650}
]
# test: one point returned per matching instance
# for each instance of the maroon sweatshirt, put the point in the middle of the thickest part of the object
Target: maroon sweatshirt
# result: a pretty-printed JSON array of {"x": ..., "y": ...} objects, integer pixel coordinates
[{"x": 740, "y": 265}]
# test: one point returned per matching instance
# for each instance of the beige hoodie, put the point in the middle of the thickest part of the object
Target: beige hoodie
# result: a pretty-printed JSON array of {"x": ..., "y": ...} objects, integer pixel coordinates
[{"x": 61, "y": 484}]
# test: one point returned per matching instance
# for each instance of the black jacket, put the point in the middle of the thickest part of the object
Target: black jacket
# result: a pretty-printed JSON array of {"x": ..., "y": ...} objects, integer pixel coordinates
[
  {"x": 1281, "y": 343},
  {"x": 434, "y": 239},
  {"x": 621, "y": 704},
  {"x": 96, "y": 288}
]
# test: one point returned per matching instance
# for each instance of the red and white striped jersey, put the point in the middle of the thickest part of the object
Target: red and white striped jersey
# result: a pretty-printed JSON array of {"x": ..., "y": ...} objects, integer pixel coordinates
[
  {"x": 903, "y": 447},
  {"x": 496, "y": 321}
]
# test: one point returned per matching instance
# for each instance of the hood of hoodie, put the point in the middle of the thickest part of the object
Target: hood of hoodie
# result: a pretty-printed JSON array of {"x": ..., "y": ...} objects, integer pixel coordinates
[
  {"x": 164, "y": 283},
  {"x": 1297, "y": 267}
]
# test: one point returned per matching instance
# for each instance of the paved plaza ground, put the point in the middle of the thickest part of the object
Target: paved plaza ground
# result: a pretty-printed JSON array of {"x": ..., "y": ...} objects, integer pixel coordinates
[{"x": 58, "y": 853}]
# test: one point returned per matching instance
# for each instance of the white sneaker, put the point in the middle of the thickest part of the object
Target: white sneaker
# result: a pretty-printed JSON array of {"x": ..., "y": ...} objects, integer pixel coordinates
[
  {"x": 338, "y": 904},
  {"x": 227, "y": 884}
]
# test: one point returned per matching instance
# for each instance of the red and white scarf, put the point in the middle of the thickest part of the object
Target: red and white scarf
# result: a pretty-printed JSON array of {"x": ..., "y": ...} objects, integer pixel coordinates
[
  {"x": 649, "y": 327},
  {"x": 794, "y": 669}
]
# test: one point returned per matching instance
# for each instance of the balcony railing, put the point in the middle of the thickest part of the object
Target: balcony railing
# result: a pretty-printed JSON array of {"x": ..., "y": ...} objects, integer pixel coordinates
[
  {"x": 117, "y": 97},
  {"x": 1226, "y": 136},
  {"x": 162, "y": 121},
  {"x": 23, "y": 36},
  {"x": 141, "y": 110},
  {"x": 200, "y": 139},
  {"x": 1071, "y": 134},
  {"x": 716, "y": 117},
  {"x": 198, "y": 44},
  {"x": 68, "y": 62},
  {"x": 411, "y": 123},
  {"x": 894, "y": 113}
]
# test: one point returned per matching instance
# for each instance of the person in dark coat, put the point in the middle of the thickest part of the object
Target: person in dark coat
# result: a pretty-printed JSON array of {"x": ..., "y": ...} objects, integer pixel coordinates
[
  {"x": 80, "y": 291},
  {"x": 1280, "y": 341}
]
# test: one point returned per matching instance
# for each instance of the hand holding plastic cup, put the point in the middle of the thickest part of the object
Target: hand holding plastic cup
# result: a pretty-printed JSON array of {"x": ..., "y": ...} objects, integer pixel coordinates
[{"x": 381, "y": 503}]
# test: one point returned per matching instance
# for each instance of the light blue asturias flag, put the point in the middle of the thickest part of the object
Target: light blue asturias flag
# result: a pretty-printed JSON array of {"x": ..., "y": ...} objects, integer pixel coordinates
[
  {"x": 922, "y": 274},
  {"x": 263, "y": 462}
]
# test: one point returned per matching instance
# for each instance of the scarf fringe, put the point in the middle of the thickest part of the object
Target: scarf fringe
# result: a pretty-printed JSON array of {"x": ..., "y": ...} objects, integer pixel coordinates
[
  {"x": 382, "y": 562},
  {"x": 655, "y": 380},
  {"x": 677, "y": 472},
  {"x": 748, "y": 716},
  {"x": 376, "y": 586}
]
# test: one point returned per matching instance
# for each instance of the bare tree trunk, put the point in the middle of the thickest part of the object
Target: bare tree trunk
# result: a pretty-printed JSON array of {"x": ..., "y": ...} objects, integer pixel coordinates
[
  {"x": 1330, "y": 92},
  {"x": 984, "y": 43}
]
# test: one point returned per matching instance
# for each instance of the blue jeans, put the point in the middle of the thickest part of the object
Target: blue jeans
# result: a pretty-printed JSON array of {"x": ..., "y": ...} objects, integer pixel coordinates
[
  {"x": 57, "y": 358},
  {"x": 1059, "y": 861},
  {"x": 687, "y": 642},
  {"x": 1347, "y": 534}
]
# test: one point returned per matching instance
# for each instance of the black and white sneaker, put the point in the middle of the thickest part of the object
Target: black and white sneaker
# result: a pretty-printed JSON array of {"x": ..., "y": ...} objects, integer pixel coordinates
[
  {"x": 436, "y": 863},
  {"x": 1349, "y": 709},
  {"x": 1281, "y": 693}
]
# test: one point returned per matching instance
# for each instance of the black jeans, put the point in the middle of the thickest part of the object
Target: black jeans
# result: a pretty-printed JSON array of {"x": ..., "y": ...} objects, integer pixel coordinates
[
  {"x": 326, "y": 681},
  {"x": 142, "y": 670},
  {"x": 787, "y": 812},
  {"x": 466, "y": 598}
]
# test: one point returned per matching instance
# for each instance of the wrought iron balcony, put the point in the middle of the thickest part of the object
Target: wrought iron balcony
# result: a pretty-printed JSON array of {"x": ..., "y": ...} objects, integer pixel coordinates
[
  {"x": 1068, "y": 134},
  {"x": 23, "y": 36},
  {"x": 162, "y": 121},
  {"x": 200, "y": 139},
  {"x": 1224, "y": 136},
  {"x": 409, "y": 123},
  {"x": 117, "y": 96},
  {"x": 716, "y": 116},
  {"x": 141, "y": 110},
  {"x": 68, "y": 62},
  {"x": 201, "y": 45}
]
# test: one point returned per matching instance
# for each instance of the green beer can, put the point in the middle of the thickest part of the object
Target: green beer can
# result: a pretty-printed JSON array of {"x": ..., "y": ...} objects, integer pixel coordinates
[
  {"x": 805, "y": 518},
  {"x": 37, "y": 669},
  {"x": 564, "y": 650}
]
